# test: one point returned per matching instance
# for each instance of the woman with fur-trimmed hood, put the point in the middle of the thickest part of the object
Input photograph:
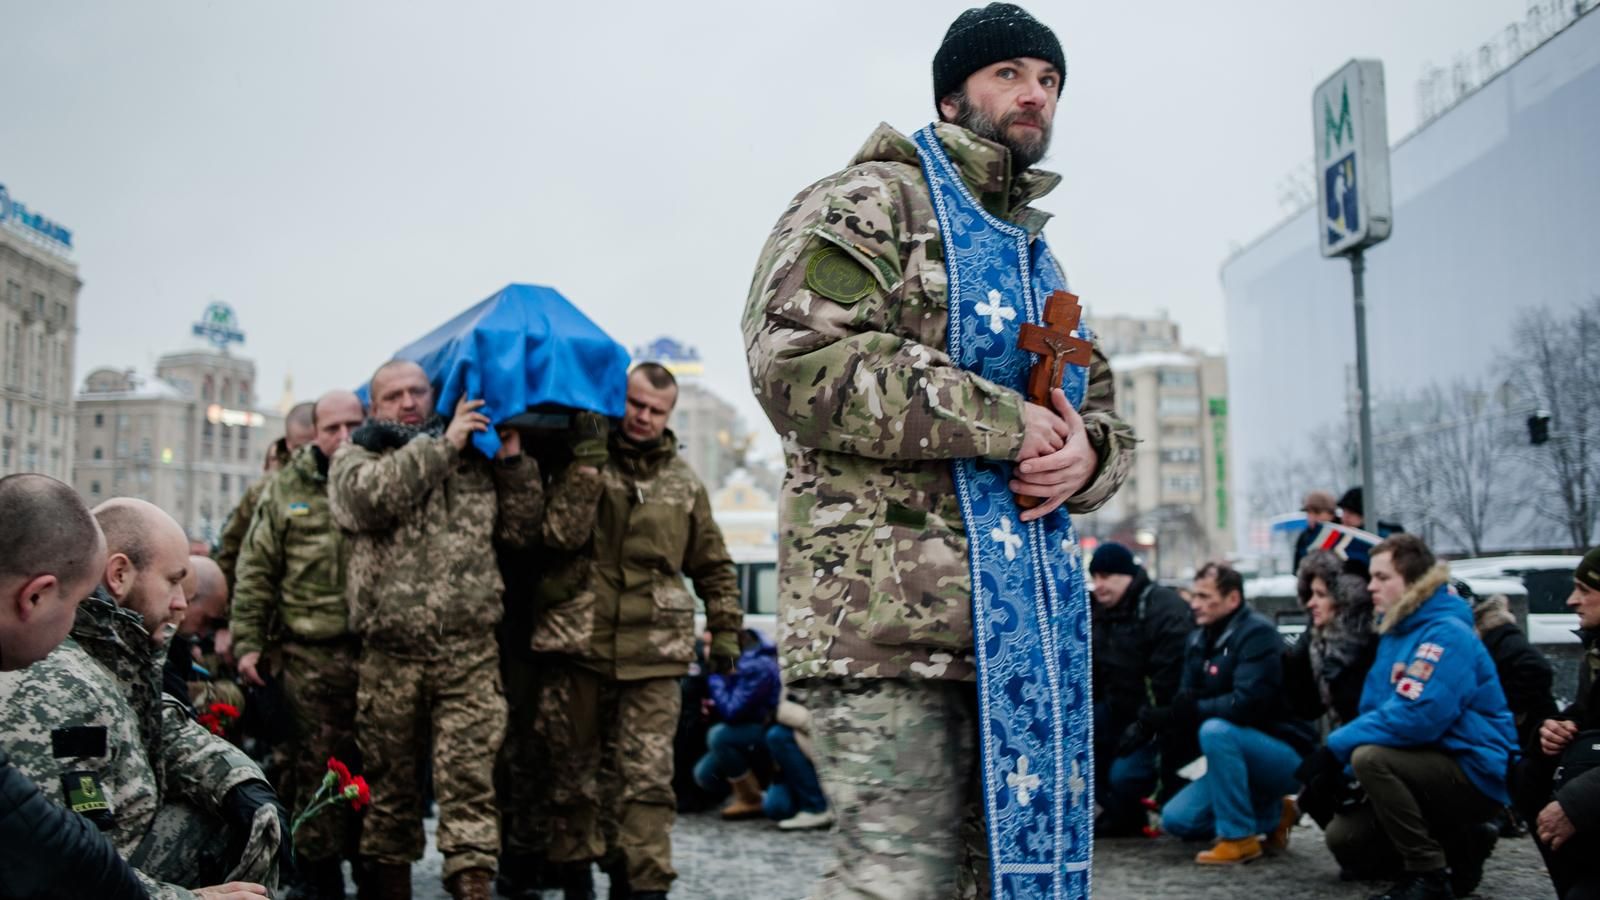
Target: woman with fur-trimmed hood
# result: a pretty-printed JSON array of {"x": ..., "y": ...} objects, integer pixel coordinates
[{"x": 1324, "y": 670}]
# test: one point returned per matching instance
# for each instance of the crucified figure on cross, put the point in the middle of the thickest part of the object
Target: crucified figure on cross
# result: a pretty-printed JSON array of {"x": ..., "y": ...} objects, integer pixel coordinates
[{"x": 1057, "y": 346}]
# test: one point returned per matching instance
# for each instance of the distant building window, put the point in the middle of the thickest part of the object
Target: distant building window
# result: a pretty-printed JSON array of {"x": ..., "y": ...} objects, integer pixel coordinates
[
  {"x": 94, "y": 488},
  {"x": 55, "y": 424},
  {"x": 38, "y": 304},
  {"x": 1177, "y": 378},
  {"x": 1181, "y": 455},
  {"x": 99, "y": 420},
  {"x": 1183, "y": 484},
  {"x": 227, "y": 483},
  {"x": 99, "y": 453},
  {"x": 1179, "y": 406}
]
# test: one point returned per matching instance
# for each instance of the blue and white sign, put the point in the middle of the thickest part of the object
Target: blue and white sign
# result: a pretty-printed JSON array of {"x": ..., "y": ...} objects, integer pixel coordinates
[
  {"x": 1351, "y": 132},
  {"x": 16, "y": 214},
  {"x": 679, "y": 358},
  {"x": 219, "y": 325}
]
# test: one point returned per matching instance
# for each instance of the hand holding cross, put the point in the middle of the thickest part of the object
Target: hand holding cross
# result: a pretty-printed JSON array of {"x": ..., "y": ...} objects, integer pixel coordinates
[{"x": 1057, "y": 346}]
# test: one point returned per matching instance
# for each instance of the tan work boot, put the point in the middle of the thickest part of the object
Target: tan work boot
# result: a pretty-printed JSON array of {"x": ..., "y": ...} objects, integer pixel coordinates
[
  {"x": 1278, "y": 840},
  {"x": 1230, "y": 853},
  {"x": 746, "y": 802},
  {"x": 390, "y": 881},
  {"x": 471, "y": 884}
]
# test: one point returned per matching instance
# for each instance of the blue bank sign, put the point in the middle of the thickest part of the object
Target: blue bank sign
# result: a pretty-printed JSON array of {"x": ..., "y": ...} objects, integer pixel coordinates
[
  {"x": 16, "y": 214},
  {"x": 219, "y": 325}
]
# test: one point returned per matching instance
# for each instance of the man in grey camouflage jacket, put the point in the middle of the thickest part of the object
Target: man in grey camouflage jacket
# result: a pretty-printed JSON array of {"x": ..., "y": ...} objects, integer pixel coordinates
[
  {"x": 183, "y": 806},
  {"x": 846, "y": 333}
]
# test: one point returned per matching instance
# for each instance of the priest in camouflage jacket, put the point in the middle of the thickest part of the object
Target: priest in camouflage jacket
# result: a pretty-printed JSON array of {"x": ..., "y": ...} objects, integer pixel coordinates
[{"x": 846, "y": 335}]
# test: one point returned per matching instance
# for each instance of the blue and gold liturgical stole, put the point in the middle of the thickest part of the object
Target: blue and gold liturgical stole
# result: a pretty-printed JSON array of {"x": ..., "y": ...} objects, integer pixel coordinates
[{"x": 1030, "y": 612}]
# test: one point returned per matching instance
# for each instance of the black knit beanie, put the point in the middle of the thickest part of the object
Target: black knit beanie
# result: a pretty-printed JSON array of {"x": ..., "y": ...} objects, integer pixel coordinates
[
  {"x": 981, "y": 37},
  {"x": 1112, "y": 558}
]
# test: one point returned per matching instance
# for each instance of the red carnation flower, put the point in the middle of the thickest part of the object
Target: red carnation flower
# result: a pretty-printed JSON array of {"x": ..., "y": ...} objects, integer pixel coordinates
[
  {"x": 341, "y": 770},
  {"x": 357, "y": 792}
]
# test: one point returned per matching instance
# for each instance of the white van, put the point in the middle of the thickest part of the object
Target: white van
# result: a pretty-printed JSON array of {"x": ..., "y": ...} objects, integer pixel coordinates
[{"x": 1547, "y": 580}]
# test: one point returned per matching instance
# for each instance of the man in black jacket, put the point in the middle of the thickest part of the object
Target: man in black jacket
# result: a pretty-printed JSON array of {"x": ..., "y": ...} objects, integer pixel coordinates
[
  {"x": 1558, "y": 781},
  {"x": 1232, "y": 692},
  {"x": 1139, "y": 631}
]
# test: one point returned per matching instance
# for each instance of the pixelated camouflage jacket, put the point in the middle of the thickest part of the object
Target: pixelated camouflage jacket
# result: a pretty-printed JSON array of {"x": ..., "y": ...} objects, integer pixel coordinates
[
  {"x": 421, "y": 576},
  {"x": 94, "y": 709},
  {"x": 851, "y": 368},
  {"x": 632, "y": 616},
  {"x": 291, "y": 566}
]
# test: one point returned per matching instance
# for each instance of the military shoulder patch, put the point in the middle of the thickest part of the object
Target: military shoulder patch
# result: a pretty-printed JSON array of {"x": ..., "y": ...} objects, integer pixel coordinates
[
  {"x": 299, "y": 509},
  {"x": 87, "y": 798},
  {"x": 834, "y": 274}
]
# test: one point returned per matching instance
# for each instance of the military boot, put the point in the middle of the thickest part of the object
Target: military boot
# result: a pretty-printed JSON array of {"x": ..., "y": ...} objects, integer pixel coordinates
[
  {"x": 577, "y": 881},
  {"x": 471, "y": 884},
  {"x": 391, "y": 881}
]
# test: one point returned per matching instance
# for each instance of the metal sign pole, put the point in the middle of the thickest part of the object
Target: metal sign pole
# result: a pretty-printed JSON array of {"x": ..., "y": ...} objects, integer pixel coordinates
[{"x": 1369, "y": 499}]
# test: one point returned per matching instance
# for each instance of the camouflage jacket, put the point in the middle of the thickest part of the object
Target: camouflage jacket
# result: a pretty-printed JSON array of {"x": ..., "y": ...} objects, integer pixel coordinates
[
  {"x": 422, "y": 575},
  {"x": 291, "y": 567},
  {"x": 853, "y": 373},
  {"x": 628, "y": 613},
  {"x": 90, "y": 726}
]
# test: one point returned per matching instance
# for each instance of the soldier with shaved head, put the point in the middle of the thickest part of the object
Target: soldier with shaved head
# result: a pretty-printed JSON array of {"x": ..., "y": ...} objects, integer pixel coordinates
[
  {"x": 289, "y": 618},
  {"x": 426, "y": 511},
  {"x": 184, "y": 807}
]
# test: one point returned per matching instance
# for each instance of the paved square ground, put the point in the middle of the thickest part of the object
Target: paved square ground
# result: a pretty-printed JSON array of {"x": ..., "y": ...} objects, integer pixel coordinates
[{"x": 719, "y": 860}]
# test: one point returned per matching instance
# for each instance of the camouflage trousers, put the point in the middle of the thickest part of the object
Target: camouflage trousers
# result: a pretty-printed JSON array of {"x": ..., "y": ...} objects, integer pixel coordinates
[
  {"x": 319, "y": 685},
  {"x": 586, "y": 718},
  {"x": 454, "y": 700},
  {"x": 187, "y": 847},
  {"x": 898, "y": 761},
  {"x": 522, "y": 772}
]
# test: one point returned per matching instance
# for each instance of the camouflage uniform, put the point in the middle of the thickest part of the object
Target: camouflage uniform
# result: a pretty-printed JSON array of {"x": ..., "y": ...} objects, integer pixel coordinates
[
  {"x": 91, "y": 726},
  {"x": 624, "y": 630},
  {"x": 536, "y": 578},
  {"x": 845, "y": 331},
  {"x": 424, "y": 595},
  {"x": 289, "y": 598}
]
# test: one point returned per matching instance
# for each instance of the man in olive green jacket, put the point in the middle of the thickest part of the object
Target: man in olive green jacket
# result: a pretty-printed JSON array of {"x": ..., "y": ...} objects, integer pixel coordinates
[
  {"x": 289, "y": 602},
  {"x": 297, "y": 432},
  {"x": 625, "y": 635}
]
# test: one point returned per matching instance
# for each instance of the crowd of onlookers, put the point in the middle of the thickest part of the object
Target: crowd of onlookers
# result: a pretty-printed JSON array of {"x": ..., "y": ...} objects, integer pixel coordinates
[{"x": 1410, "y": 720}]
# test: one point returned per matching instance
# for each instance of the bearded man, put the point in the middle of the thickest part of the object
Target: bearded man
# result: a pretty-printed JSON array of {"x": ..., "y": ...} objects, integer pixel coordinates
[{"x": 882, "y": 334}]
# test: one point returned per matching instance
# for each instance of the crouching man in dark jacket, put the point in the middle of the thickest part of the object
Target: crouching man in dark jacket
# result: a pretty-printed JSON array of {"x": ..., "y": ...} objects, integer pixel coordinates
[
  {"x": 1434, "y": 738},
  {"x": 1139, "y": 632},
  {"x": 1558, "y": 783},
  {"x": 1232, "y": 692}
]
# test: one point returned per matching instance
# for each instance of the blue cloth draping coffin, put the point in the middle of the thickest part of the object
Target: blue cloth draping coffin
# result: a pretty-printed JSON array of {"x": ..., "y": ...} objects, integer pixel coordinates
[{"x": 525, "y": 346}]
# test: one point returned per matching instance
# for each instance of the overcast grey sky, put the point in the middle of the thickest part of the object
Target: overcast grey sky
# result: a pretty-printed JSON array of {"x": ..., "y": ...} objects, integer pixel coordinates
[{"x": 349, "y": 175}]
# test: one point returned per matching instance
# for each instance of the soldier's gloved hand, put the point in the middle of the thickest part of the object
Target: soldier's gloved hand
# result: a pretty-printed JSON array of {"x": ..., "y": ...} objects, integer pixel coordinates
[
  {"x": 240, "y": 809},
  {"x": 724, "y": 651},
  {"x": 586, "y": 438},
  {"x": 1136, "y": 735},
  {"x": 379, "y": 436}
]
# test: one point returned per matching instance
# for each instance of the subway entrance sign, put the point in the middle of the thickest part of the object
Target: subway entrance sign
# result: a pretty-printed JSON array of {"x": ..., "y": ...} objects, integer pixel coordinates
[{"x": 1351, "y": 137}]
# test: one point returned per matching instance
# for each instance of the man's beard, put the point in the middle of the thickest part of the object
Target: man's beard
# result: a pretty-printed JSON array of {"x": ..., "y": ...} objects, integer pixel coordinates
[{"x": 1024, "y": 152}]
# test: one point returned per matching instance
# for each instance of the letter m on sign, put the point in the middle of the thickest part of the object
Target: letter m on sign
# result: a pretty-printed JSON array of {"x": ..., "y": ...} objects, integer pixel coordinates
[{"x": 1334, "y": 130}]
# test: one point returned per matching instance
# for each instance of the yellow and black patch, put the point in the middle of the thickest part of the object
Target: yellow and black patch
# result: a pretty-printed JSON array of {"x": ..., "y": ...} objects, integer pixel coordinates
[
  {"x": 87, "y": 798},
  {"x": 836, "y": 275}
]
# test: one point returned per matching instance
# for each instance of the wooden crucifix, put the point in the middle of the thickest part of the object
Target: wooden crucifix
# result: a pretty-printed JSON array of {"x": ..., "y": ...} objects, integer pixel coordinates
[{"x": 1057, "y": 346}]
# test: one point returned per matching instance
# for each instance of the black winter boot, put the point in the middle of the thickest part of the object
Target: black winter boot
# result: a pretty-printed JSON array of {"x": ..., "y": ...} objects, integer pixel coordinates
[
  {"x": 577, "y": 881},
  {"x": 1433, "y": 885},
  {"x": 1467, "y": 853}
]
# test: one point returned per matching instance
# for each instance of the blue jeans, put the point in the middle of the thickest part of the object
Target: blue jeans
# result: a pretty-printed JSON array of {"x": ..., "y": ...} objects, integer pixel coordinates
[
  {"x": 794, "y": 787},
  {"x": 1248, "y": 773},
  {"x": 728, "y": 752}
]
